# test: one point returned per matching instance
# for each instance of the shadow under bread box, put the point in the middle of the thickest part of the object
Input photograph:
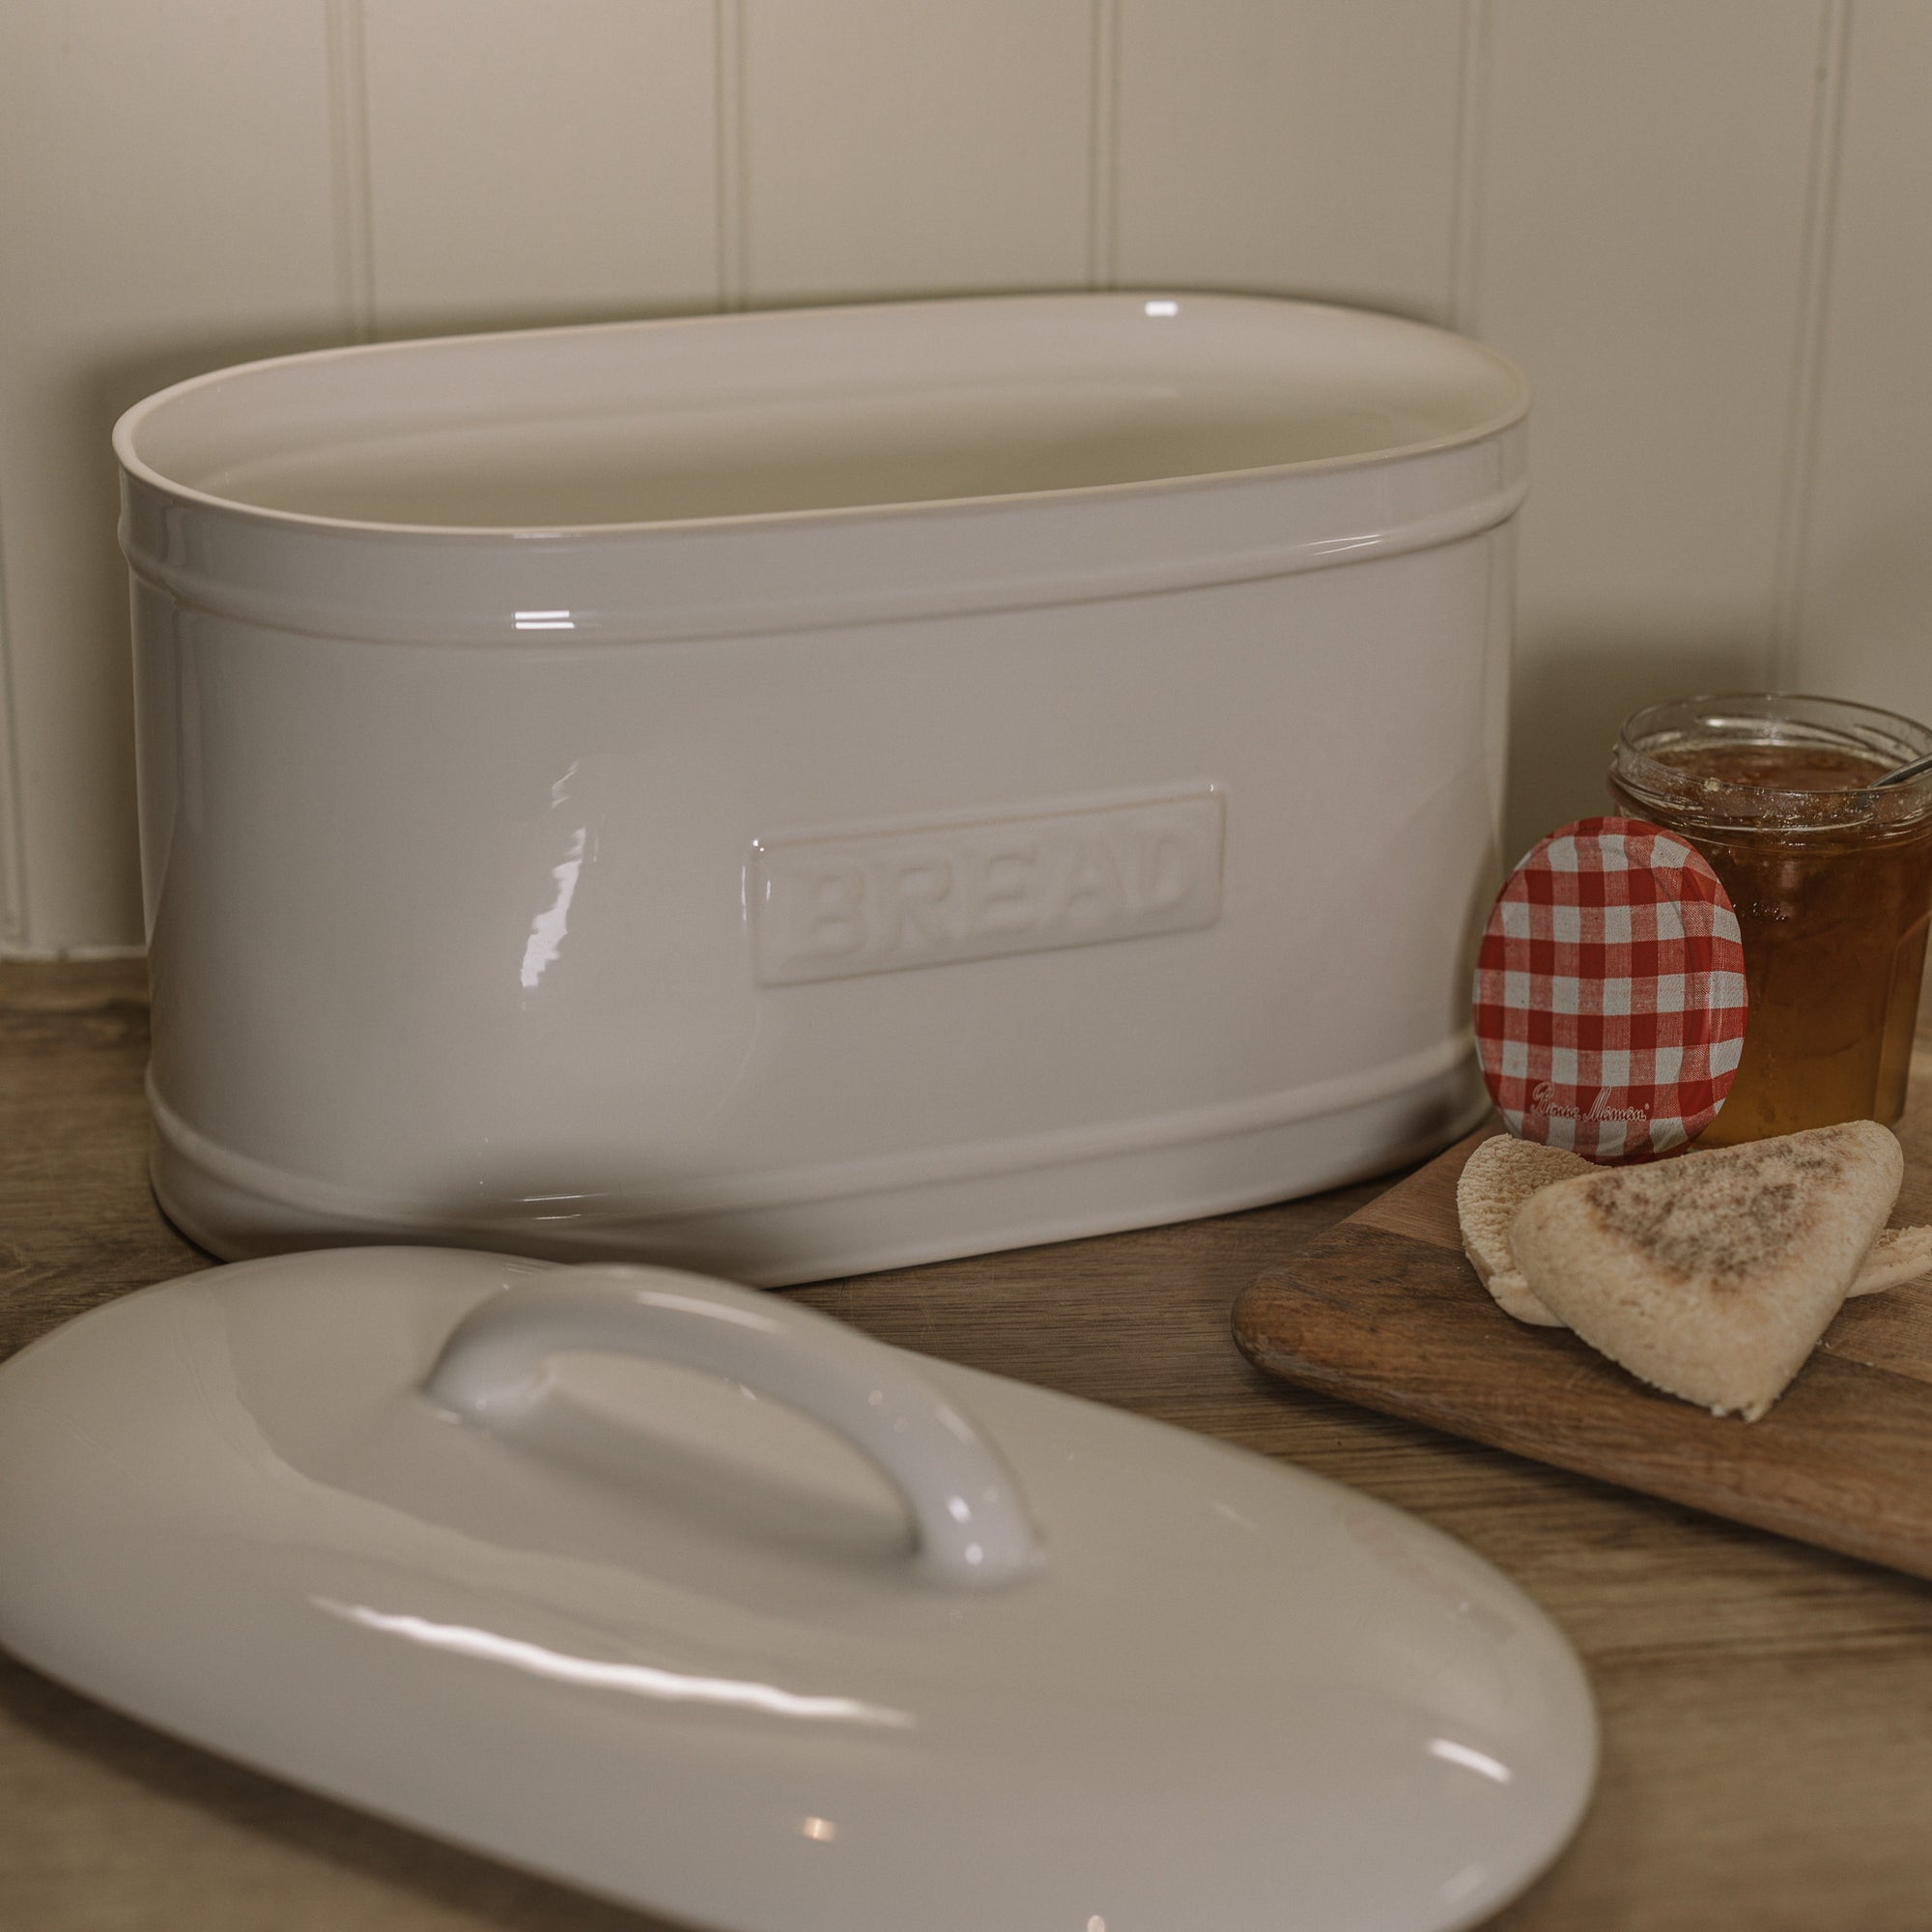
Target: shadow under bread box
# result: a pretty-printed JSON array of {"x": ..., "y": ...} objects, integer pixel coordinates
[{"x": 797, "y": 794}]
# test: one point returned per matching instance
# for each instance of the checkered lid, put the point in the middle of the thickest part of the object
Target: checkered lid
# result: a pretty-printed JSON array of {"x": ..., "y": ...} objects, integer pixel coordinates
[{"x": 1611, "y": 992}]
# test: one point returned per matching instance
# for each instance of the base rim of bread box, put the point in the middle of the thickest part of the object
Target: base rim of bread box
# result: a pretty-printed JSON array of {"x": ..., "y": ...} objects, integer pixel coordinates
[{"x": 238, "y": 1209}]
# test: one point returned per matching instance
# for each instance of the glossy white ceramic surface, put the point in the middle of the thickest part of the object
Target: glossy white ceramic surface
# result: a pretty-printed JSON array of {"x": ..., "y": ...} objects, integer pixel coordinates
[
  {"x": 968, "y": 1523},
  {"x": 654, "y": 1634},
  {"x": 796, "y": 793}
]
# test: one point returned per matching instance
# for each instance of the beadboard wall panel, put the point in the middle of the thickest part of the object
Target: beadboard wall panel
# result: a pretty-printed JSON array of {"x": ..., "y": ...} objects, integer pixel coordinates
[
  {"x": 167, "y": 208},
  {"x": 1866, "y": 608},
  {"x": 1697, "y": 223},
  {"x": 917, "y": 147},
  {"x": 1643, "y": 192},
  {"x": 1290, "y": 145},
  {"x": 533, "y": 164}
]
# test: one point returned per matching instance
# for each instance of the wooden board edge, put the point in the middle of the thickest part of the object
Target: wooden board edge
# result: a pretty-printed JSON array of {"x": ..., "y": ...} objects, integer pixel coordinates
[
  {"x": 1865, "y": 1499},
  {"x": 1422, "y": 1205}
]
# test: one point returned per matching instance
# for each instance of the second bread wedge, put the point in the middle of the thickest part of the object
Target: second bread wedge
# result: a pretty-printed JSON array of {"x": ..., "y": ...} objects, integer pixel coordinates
[{"x": 1711, "y": 1276}]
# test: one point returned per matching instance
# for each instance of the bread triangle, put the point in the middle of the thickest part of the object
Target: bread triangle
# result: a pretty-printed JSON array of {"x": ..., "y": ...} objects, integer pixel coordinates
[
  {"x": 1713, "y": 1275},
  {"x": 1495, "y": 1180},
  {"x": 1899, "y": 1255},
  {"x": 1504, "y": 1172}
]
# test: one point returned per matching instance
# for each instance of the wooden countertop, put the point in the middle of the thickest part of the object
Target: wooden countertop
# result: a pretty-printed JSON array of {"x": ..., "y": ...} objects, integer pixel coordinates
[{"x": 1767, "y": 1707}]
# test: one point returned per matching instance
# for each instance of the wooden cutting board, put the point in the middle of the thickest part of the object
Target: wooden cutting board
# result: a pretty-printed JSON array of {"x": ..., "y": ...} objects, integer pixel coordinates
[{"x": 1386, "y": 1311}]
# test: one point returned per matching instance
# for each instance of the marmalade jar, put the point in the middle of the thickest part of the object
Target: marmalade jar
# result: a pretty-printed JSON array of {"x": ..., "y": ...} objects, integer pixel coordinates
[{"x": 1831, "y": 882}]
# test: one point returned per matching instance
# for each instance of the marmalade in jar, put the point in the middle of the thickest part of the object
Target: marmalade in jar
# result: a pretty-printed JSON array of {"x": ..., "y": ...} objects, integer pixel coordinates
[{"x": 1831, "y": 882}]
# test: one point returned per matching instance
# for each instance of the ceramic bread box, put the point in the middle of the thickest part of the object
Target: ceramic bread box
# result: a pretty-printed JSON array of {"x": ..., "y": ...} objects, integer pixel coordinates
[{"x": 797, "y": 794}]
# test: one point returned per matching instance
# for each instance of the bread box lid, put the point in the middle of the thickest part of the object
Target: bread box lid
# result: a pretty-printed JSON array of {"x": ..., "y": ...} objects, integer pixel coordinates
[{"x": 698, "y": 1600}]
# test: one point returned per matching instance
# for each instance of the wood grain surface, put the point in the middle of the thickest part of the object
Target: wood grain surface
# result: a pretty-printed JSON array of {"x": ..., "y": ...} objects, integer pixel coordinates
[
  {"x": 1386, "y": 1310},
  {"x": 1766, "y": 1705}
]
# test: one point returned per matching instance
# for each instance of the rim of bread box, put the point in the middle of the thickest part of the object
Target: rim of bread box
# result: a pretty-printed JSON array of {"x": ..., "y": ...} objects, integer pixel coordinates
[{"x": 801, "y": 569}]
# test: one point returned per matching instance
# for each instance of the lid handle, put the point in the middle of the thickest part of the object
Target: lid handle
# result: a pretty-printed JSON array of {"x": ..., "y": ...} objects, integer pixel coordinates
[{"x": 970, "y": 1524}]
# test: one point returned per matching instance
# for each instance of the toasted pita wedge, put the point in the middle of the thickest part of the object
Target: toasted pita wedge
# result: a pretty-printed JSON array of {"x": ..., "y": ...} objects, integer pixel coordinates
[
  {"x": 1899, "y": 1255},
  {"x": 1504, "y": 1172},
  {"x": 1711, "y": 1276},
  {"x": 1498, "y": 1178}
]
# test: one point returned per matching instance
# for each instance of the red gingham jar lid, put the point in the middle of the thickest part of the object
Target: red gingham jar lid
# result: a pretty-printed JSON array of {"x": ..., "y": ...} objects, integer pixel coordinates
[{"x": 1611, "y": 992}]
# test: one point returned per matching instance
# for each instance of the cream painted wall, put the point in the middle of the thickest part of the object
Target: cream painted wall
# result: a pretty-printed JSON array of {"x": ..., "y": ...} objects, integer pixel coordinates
[{"x": 1698, "y": 224}]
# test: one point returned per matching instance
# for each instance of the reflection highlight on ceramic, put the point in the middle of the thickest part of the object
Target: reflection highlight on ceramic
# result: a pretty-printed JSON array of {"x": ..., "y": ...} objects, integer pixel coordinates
[
  {"x": 549, "y": 927},
  {"x": 638, "y": 1680},
  {"x": 1467, "y": 1755}
]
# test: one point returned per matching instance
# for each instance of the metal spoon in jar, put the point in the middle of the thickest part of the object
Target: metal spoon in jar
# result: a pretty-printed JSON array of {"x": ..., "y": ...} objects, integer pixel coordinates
[{"x": 1905, "y": 774}]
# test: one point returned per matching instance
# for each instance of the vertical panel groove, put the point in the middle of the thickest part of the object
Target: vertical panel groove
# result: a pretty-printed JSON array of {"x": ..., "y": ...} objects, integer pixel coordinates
[
  {"x": 735, "y": 224},
  {"x": 13, "y": 929},
  {"x": 1103, "y": 170},
  {"x": 1807, "y": 366},
  {"x": 918, "y": 149},
  {"x": 348, "y": 169},
  {"x": 1463, "y": 293}
]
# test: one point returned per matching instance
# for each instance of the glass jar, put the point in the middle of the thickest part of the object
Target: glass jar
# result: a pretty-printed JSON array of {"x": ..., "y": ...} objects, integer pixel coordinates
[{"x": 1831, "y": 882}]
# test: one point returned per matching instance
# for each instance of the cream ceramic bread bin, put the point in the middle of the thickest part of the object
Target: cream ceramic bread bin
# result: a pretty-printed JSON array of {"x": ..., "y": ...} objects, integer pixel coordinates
[{"x": 797, "y": 794}]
